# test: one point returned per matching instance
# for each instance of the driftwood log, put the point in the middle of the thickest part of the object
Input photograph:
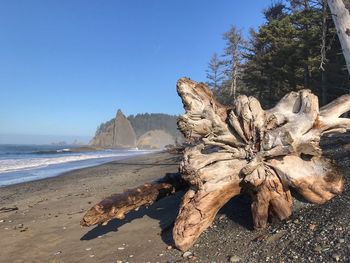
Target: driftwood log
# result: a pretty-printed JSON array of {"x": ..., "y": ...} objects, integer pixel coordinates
[
  {"x": 118, "y": 205},
  {"x": 242, "y": 147}
]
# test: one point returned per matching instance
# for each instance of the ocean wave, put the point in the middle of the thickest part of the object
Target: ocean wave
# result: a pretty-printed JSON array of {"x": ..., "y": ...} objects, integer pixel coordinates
[
  {"x": 67, "y": 150},
  {"x": 13, "y": 165}
]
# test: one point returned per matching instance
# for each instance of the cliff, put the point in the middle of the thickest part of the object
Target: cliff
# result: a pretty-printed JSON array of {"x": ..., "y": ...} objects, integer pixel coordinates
[
  {"x": 117, "y": 132},
  {"x": 155, "y": 139}
]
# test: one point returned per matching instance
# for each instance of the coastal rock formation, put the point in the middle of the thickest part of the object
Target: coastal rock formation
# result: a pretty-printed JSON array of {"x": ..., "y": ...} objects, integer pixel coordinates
[
  {"x": 149, "y": 130},
  {"x": 117, "y": 133},
  {"x": 155, "y": 139}
]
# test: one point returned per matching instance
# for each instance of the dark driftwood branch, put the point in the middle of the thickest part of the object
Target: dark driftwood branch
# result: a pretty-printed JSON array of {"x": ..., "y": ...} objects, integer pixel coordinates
[
  {"x": 264, "y": 152},
  {"x": 117, "y": 205},
  {"x": 8, "y": 209}
]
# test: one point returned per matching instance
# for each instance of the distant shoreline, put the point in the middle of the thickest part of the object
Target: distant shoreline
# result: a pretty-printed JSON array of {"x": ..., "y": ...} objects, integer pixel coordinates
[
  {"x": 70, "y": 173},
  {"x": 45, "y": 163}
]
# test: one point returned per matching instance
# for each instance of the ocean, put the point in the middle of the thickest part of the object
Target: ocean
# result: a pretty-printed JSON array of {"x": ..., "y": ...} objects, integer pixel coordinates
[{"x": 23, "y": 163}]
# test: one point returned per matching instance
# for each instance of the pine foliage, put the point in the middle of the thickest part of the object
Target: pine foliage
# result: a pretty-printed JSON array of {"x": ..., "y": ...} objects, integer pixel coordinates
[{"x": 284, "y": 54}]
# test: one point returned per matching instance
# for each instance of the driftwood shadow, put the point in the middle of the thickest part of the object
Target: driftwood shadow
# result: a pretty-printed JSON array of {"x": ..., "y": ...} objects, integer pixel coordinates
[
  {"x": 144, "y": 164},
  {"x": 238, "y": 210},
  {"x": 166, "y": 210},
  {"x": 170, "y": 161}
]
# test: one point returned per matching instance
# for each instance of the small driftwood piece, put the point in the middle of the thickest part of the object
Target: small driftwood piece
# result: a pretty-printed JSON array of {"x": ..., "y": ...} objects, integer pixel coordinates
[
  {"x": 243, "y": 147},
  {"x": 8, "y": 209}
]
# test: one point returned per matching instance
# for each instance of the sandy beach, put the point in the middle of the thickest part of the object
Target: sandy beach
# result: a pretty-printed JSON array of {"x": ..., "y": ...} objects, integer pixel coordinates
[{"x": 45, "y": 228}]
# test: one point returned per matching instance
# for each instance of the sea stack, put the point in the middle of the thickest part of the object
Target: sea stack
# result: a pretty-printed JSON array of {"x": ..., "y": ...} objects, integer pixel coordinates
[
  {"x": 124, "y": 134},
  {"x": 117, "y": 134}
]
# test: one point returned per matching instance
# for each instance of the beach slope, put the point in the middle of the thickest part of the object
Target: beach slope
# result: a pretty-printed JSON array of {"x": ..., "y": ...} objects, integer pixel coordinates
[{"x": 45, "y": 228}]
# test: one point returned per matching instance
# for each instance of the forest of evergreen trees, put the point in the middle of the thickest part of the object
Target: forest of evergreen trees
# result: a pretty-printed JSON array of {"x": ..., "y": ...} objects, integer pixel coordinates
[
  {"x": 154, "y": 121},
  {"x": 296, "y": 47}
]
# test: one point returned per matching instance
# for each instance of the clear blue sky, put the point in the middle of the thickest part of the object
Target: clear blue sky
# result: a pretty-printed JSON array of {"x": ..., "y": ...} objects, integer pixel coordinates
[{"x": 68, "y": 65}]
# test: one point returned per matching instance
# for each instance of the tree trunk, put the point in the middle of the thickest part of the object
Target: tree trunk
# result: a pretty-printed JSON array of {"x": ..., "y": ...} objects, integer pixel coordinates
[
  {"x": 234, "y": 74},
  {"x": 324, "y": 88},
  {"x": 341, "y": 18},
  {"x": 242, "y": 148}
]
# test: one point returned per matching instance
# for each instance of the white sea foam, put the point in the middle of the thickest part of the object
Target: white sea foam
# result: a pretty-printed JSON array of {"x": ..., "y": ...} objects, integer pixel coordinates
[
  {"x": 12, "y": 165},
  {"x": 63, "y": 150}
]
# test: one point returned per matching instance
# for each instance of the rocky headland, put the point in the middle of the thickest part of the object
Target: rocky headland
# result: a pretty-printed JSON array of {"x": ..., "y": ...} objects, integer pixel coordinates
[
  {"x": 117, "y": 133},
  {"x": 144, "y": 131}
]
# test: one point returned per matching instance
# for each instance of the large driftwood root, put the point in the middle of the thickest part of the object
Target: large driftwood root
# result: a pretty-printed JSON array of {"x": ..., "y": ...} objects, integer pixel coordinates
[
  {"x": 278, "y": 149},
  {"x": 242, "y": 148},
  {"x": 197, "y": 212},
  {"x": 317, "y": 179},
  {"x": 202, "y": 202},
  {"x": 270, "y": 197}
]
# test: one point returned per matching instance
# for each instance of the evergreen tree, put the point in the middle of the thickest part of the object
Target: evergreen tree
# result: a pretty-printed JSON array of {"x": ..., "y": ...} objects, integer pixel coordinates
[
  {"x": 215, "y": 74},
  {"x": 285, "y": 53},
  {"x": 233, "y": 60},
  {"x": 270, "y": 57}
]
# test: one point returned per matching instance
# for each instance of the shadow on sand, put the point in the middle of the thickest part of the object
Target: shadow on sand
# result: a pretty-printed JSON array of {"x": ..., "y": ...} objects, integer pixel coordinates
[{"x": 166, "y": 210}]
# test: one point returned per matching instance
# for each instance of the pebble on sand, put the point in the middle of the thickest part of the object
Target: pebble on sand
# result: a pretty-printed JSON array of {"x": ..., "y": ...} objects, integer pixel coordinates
[
  {"x": 336, "y": 257},
  {"x": 312, "y": 227},
  {"x": 24, "y": 229},
  {"x": 235, "y": 259},
  {"x": 19, "y": 226},
  {"x": 317, "y": 248},
  {"x": 187, "y": 254}
]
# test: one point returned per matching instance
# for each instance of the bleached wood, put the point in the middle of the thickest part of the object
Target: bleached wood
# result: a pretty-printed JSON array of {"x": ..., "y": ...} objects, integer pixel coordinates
[
  {"x": 317, "y": 179},
  {"x": 212, "y": 187},
  {"x": 341, "y": 19},
  {"x": 117, "y": 205},
  {"x": 269, "y": 145}
]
